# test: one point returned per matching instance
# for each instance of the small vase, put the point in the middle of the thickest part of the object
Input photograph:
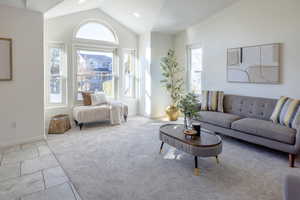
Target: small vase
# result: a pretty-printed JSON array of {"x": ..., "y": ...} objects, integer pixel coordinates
[
  {"x": 172, "y": 112},
  {"x": 188, "y": 124}
]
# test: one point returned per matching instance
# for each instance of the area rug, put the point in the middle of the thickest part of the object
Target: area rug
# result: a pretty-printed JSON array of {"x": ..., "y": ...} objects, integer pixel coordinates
[{"x": 123, "y": 163}]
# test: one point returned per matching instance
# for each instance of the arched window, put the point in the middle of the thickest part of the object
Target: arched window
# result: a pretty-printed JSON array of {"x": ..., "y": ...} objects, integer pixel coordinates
[
  {"x": 94, "y": 65},
  {"x": 96, "y": 31}
]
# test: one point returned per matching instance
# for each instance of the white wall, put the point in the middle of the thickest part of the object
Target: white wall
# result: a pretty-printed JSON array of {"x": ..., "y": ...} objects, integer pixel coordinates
[
  {"x": 22, "y": 100},
  {"x": 61, "y": 29},
  {"x": 242, "y": 24},
  {"x": 145, "y": 74},
  {"x": 181, "y": 52},
  {"x": 160, "y": 44},
  {"x": 152, "y": 47}
]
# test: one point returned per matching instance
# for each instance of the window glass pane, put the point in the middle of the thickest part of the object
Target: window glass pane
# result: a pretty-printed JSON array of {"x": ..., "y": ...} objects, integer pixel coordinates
[
  {"x": 96, "y": 31},
  {"x": 94, "y": 72},
  {"x": 196, "y": 70},
  {"x": 55, "y": 95},
  {"x": 129, "y": 74},
  {"x": 55, "y": 61},
  {"x": 55, "y": 75}
]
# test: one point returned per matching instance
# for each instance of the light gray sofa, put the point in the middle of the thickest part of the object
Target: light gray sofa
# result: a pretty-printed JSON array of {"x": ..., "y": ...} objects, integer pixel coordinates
[{"x": 248, "y": 119}]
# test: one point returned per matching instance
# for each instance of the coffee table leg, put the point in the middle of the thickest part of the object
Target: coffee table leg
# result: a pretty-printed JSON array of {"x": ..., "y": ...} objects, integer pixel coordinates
[
  {"x": 196, "y": 170},
  {"x": 161, "y": 147},
  {"x": 217, "y": 159}
]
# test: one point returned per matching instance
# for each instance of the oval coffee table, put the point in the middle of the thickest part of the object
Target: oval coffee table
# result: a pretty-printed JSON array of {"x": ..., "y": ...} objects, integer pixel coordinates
[{"x": 207, "y": 144}]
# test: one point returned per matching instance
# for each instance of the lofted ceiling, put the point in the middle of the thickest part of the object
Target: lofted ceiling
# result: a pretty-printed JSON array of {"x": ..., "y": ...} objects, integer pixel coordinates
[
  {"x": 176, "y": 15},
  {"x": 36, "y": 5},
  {"x": 169, "y": 16},
  {"x": 72, "y": 6},
  {"x": 123, "y": 11},
  {"x": 15, "y": 3}
]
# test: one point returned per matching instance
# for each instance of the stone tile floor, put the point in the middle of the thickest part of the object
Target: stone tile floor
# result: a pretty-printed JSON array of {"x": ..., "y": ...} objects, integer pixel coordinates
[{"x": 31, "y": 172}]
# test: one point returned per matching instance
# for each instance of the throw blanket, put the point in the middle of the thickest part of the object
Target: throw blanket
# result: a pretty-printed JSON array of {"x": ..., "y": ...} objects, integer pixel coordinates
[{"x": 117, "y": 112}]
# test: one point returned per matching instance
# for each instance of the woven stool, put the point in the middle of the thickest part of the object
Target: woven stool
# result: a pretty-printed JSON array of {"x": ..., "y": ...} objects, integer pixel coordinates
[{"x": 59, "y": 124}]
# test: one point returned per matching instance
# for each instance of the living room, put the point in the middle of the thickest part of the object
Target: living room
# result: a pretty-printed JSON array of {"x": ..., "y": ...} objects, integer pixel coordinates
[{"x": 162, "y": 99}]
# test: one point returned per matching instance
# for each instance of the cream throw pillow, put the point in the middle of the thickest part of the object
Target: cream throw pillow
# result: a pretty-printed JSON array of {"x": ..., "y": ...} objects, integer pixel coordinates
[
  {"x": 98, "y": 98},
  {"x": 212, "y": 101},
  {"x": 287, "y": 112}
]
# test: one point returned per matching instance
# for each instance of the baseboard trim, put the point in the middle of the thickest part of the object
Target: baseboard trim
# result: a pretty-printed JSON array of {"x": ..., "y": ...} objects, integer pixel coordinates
[{"x": 21, "y": 141}]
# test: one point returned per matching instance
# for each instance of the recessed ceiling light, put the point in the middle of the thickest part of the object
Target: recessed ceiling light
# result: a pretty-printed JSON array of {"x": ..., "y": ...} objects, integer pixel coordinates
[
  {"x": 136, "y": 14},
  {"x": 81, "y": 1}
]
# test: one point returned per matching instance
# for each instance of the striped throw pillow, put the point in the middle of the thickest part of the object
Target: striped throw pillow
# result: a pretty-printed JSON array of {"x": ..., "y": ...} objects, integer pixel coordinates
[
  {"x": 212, "y": 101},
  {"x": 287, "y": 112}
]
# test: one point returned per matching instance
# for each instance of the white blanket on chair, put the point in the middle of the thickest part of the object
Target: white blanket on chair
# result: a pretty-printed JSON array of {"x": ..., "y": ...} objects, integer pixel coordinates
[{"x": 116, "y": 112}]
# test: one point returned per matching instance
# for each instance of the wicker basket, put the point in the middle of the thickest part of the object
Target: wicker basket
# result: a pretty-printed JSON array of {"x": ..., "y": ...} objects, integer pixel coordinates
[{"x": 59, "y": 124}]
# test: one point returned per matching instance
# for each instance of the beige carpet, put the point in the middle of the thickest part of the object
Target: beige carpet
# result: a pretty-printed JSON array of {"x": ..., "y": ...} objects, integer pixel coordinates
[{"x": 122, "y": 163}]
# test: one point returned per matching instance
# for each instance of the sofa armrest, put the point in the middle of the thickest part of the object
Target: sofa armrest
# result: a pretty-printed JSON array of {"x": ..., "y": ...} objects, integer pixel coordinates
[{"x": 297, "y": 142}]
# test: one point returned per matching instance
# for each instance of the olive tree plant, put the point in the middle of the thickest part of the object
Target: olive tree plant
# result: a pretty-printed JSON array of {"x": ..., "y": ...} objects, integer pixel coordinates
[{"x": 172, "y": 73}]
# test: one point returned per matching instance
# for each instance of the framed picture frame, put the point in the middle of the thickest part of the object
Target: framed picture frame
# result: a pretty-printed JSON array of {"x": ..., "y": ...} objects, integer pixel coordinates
[
  {"x": 6, "y": 66},
  {"x": 258, "y": 64}
]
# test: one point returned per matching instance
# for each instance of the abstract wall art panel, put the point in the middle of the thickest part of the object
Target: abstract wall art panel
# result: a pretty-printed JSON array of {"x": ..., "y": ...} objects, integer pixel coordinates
[{"x": 255, "y": 64}]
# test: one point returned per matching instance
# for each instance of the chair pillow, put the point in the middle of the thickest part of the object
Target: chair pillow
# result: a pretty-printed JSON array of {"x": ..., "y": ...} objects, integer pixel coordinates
[
  {"x": 87, "y": 101},
  {"x": 287, "y": 112},
  {"x": 98, "y": 98},
  {"x": 212, "y": 101}
]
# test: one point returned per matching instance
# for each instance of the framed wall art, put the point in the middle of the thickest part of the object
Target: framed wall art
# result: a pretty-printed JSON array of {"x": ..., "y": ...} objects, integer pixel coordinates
[{"x": 254, "y": 64}]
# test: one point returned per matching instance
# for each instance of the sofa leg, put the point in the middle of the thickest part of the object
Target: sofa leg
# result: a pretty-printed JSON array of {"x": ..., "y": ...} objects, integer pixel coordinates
[
  {"x": 80, "y": 125},
  {"x": 292, "y": 160}
]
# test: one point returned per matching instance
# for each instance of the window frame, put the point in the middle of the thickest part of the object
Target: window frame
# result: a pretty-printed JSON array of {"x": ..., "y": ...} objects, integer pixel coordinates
[
  {"x": 99, "y": 42},
  {"x": 77, "y": 47},
  {"x": 135, "y": 75},
  {"x": 64, "y": 75},
  {"x": 189, "y": 49}
]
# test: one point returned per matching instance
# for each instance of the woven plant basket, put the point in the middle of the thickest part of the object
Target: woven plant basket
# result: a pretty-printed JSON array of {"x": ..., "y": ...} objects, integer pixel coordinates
[{"x": 59, "y": 124}]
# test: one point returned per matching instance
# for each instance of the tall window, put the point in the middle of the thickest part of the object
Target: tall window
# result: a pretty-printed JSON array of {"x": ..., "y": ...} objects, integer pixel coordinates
[
  {"x": 195, "y": 70},
  {"x": 97, "y": 32},
  {"x": 56, "y": 75},
  {"x": 94, "y": 71},
  {"x": 129, "y": 66},
  {"x": 94, "y": 64}
]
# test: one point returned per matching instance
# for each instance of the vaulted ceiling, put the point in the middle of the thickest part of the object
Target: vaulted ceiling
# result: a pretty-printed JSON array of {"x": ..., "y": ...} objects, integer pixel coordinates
[
  {"x": 140, "y": 16},
  {"x": 37, "y": 5}
]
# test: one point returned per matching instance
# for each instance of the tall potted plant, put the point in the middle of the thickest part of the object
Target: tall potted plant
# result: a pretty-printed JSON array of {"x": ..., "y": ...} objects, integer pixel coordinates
[{"x": 172, "y": 82}]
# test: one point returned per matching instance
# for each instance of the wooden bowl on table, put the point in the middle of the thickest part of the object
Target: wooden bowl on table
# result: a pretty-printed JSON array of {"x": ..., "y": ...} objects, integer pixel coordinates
[{"x": 190, "y": 133}]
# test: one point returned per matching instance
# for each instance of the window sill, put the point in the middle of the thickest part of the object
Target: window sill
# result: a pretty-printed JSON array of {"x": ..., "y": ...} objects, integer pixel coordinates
[
  {"x": 130, "y": 98},
  {"x": 49, "y": 107}
]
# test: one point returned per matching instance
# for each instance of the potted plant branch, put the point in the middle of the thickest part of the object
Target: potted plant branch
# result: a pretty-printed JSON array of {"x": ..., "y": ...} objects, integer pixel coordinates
[
  {"x": 172, "y": 82},
  {"x": 189, "y": 106}
]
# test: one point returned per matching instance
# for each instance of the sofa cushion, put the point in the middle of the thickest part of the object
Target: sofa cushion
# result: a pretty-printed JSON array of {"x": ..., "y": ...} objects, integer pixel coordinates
[
  {"x": 218, "y": 118},
  {"x": 250, "y": 107},
  {"x": 265, "y": 129},
  {"x": 86, "y": 114}
]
